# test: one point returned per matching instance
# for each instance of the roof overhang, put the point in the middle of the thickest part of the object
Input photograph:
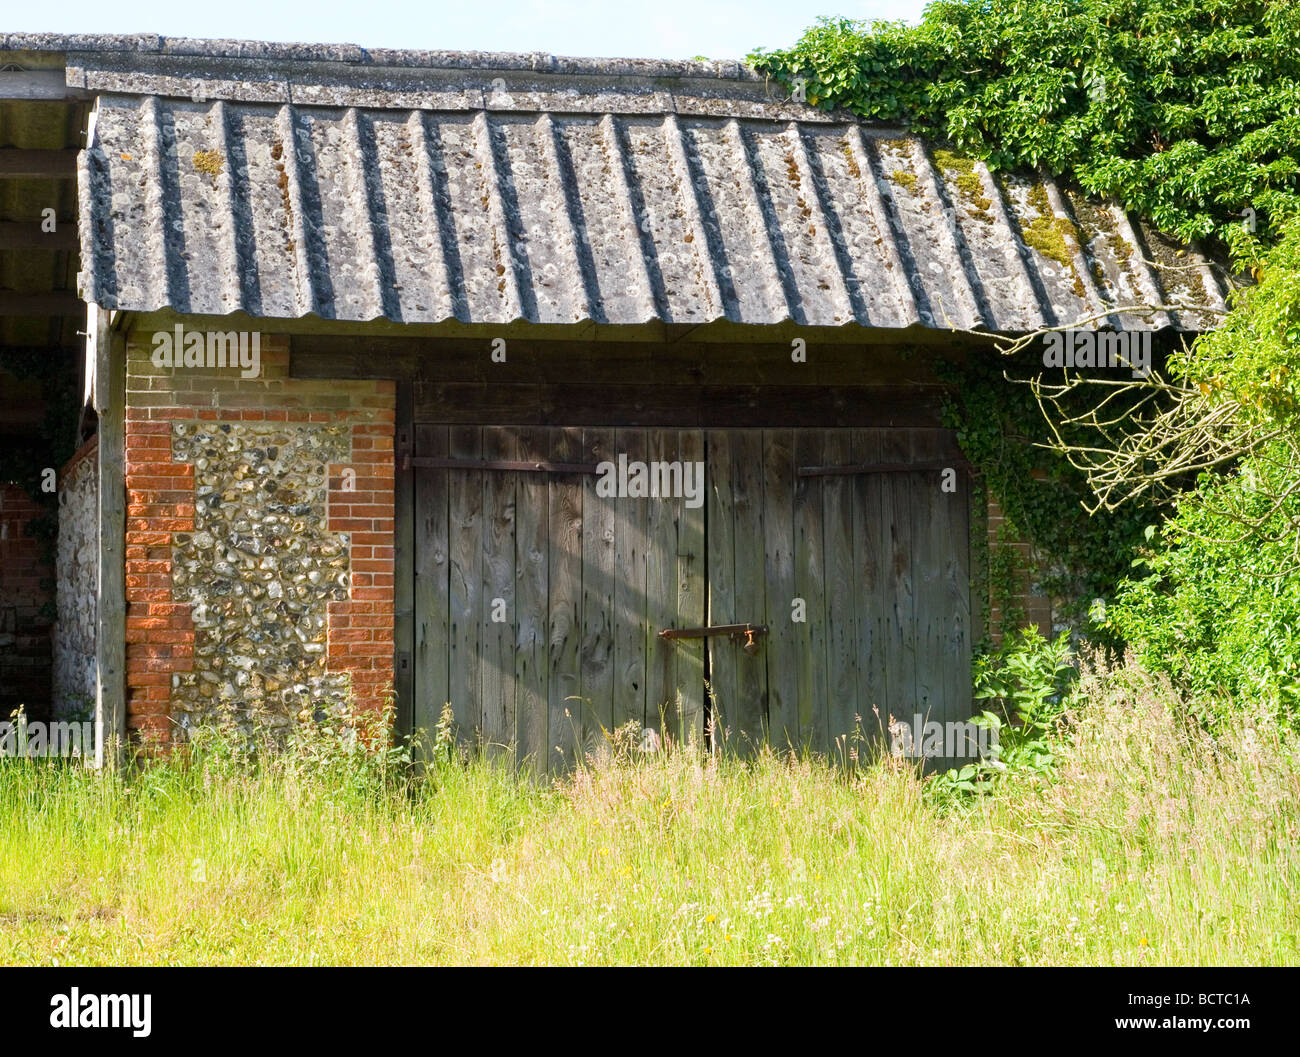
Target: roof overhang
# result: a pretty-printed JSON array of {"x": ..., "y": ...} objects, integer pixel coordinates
[{"x": 461, "y": 191}]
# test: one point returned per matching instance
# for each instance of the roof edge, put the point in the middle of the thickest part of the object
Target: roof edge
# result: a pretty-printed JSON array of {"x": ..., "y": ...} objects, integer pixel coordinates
[{"x": 534, "y": 62}]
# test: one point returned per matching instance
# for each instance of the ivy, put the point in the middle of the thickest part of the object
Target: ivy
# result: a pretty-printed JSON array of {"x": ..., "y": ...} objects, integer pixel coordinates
[
  {"x": 997, "y": 423},
  {"x": 1187, "y": 111}
]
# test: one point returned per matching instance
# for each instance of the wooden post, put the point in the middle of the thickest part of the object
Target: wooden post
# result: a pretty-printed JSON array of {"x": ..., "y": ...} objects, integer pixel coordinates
[
  {"x": 404, "y": 567},
  {"x": 110, "y": 629}
]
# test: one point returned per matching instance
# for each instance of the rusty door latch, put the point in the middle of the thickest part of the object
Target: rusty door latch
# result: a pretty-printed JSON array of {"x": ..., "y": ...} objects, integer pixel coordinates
[{"x": 746, "y": 634}]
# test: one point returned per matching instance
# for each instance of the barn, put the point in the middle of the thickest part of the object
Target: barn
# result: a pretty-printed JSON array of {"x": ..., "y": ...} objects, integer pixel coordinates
[{"x": 567, "y": 392}]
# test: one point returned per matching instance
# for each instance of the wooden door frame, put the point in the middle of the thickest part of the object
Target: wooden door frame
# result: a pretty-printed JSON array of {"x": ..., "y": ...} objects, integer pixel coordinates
[{"x": 404, "y": 562}]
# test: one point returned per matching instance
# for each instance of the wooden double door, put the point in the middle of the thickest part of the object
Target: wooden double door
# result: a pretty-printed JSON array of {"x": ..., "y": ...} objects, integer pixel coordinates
[{"x": 543, "y": 581}]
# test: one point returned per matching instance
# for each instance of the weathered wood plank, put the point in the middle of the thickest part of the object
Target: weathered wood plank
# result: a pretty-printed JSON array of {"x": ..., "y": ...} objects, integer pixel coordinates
[
  {"x": 955, "y": 520},
  {"x": 532, "y": 601},
  {"x": 631, "y": 626},
  {"x": 619, "y": 403},
  {"x": 721, "y": 572},
  {"x": 567, "y": 529},
  {"x": 744, "y": 363},
  {"x": 870, "y": 558},
  {"x": 598, "y": 576},
  {"x": 750, "y": 709},
  {"x": 810, "y": 580},
  {"x": 431, "y": 658},
  {"x": 900, "y": 627},
  {"x": 499, "y": 603},
  {"x": 781, "y": 647},
  {"x": 841, "y": 601},
  {"x": 110, "y": 613},
  {"x": 455, "y": 402},
  {"x": 691, "y": 601},
  {"x": 929, "y": 549},
  {"x": 663, "y": 515},
  {"x": 465, "y": 583},
  {"x": 404, "y": 569}
]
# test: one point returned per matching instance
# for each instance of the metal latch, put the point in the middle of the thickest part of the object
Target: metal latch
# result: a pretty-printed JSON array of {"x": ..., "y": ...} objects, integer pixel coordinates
[{"x": 746, "y": 634}]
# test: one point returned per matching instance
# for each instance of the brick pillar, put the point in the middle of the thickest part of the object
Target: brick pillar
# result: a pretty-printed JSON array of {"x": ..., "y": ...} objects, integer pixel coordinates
[{"x": 260, "y": 527}]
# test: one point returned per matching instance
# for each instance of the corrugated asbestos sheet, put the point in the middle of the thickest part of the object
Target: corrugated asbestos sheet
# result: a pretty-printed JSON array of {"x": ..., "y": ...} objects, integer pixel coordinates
[{"x": 597, "y": 193}]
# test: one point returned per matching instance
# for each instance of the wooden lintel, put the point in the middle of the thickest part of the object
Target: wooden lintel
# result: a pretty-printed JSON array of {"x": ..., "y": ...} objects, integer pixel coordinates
[{"x": 884, "y": 467}]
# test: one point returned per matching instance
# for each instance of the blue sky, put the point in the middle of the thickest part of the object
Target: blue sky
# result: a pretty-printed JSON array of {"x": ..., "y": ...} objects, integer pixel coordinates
[{"x": 667, "y": 29}]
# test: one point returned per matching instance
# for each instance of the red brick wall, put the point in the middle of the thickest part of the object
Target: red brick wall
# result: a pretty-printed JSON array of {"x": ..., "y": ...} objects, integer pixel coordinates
[
  {"x": 160, "y": 629},
  {"x": 1036, "y": 607},
  {"x": 26, "y": 588}
]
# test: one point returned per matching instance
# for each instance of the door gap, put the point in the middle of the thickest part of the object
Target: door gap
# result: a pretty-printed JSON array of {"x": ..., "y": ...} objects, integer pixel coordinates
[{"x": 704, "y": 646}]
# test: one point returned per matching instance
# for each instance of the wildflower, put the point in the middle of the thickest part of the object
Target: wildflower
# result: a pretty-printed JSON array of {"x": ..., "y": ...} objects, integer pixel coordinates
[{"x": 711, "y": 918}]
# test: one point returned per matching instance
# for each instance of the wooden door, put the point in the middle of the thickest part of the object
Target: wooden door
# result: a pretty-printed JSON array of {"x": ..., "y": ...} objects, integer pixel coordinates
[
  {"x": 858, "y": 565},
  {"x": 538, "y": 600}
]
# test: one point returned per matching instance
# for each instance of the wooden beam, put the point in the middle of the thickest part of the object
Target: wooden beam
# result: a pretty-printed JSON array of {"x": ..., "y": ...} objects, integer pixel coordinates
[
  {"x": 45, "y": 303},
  {"x": 38, "y": 84},
  {"x": 110, "y": 619},
  {"x": 28, "y": 233},
  {"x": 617, "y": 363},
  {"x": 857, "y": 469},
  {"x": 19, "y": 164},
  {"x": 679, "y": 406}
]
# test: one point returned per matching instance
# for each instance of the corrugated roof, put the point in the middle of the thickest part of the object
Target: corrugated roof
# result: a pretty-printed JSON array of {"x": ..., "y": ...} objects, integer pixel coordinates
[{"x": 563, "y": 191}]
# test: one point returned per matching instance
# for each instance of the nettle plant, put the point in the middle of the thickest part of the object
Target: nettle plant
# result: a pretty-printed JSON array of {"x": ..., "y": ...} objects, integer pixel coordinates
[{"x": 1026, "y": 685}]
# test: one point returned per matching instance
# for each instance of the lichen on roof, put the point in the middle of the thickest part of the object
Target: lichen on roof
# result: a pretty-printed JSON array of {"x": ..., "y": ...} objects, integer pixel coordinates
[
  {"x": 639, "y": 222},
  {"x": 960, "y": 170},
  {"x": 209, "y": 161},
  {"x": 904, "y": 179}
]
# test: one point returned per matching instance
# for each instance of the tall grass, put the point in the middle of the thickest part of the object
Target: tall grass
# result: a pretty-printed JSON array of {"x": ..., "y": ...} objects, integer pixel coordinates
[{"x": 1156, "y": 844}]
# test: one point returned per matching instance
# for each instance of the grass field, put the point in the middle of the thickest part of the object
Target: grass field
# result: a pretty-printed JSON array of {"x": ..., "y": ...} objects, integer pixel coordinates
[{"x": 1155, "y": 845}]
